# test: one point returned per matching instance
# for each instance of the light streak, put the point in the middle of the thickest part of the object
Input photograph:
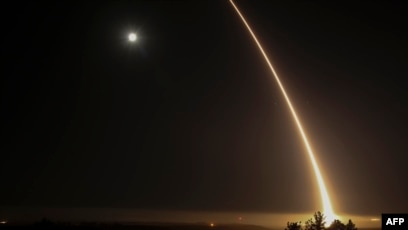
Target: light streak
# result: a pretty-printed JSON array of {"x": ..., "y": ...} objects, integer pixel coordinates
[{"x": 327, "y": 207}]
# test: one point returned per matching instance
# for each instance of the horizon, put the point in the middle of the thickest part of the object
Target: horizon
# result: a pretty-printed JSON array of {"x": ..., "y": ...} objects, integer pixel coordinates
[{"x": 129, "y": 215}]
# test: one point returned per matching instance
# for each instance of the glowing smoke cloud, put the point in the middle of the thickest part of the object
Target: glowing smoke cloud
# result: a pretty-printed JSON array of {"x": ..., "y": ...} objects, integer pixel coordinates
[{"x": 327, "y": 208}]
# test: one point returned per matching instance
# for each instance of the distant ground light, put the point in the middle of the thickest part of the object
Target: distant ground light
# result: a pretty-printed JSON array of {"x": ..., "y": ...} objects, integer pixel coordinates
[{"x": 3, "y": 222}]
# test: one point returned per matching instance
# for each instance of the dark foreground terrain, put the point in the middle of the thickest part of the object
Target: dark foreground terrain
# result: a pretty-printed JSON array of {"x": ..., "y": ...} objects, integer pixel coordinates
[
  {"x": 130, "y": 226},
  {"x": 139, "y": 226}
]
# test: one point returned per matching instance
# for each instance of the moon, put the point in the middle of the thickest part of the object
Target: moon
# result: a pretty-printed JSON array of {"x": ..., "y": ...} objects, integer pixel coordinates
[{"x": 132, "y": 37}]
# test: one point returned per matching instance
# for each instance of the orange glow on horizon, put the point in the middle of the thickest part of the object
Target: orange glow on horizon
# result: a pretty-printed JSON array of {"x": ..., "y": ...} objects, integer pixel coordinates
[{"x": 327, "y": 207}]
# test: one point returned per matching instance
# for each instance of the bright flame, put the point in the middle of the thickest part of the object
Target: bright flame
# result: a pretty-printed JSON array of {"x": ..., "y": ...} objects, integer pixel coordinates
[{"x": 327, "y": 208}]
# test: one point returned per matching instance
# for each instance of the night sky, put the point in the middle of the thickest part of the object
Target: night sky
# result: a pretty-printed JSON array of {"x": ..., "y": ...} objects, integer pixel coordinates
[{"x": 189, "y": 118}]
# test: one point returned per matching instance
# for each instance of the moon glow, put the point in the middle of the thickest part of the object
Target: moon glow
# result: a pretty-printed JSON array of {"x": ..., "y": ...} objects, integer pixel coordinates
[{"x": 132, "y": 37}]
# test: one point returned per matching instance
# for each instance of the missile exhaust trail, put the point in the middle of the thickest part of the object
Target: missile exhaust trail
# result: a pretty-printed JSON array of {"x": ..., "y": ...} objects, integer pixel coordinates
[{"x": 327, "y": 207}]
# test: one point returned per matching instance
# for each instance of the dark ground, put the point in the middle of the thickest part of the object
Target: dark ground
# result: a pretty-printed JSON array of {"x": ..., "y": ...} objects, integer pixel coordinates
[
  {"x": 46, "y": 224},
  {"x": 142, "y": 226}
]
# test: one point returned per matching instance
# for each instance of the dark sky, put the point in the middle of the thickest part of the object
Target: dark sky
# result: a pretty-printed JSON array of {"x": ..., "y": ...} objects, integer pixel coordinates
[{"x": 189, "y": 118}]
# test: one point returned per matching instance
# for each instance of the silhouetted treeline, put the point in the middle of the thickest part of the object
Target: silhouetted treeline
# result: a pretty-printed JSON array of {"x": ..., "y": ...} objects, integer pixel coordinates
[{"x": 318, "y": 222}]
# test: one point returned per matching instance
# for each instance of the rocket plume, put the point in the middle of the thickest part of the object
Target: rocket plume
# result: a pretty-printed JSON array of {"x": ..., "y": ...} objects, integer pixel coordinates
[{"x": 327, "y": 207}]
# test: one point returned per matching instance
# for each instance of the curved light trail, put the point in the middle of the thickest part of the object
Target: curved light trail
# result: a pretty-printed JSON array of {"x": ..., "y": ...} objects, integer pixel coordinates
[{"x": 327, "y": 207}]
